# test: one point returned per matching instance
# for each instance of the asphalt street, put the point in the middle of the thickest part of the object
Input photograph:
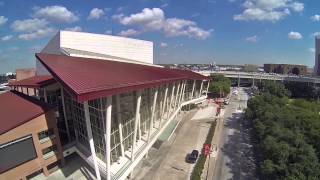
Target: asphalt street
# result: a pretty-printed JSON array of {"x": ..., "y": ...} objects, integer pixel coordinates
[{"x": 235, "y": 158}]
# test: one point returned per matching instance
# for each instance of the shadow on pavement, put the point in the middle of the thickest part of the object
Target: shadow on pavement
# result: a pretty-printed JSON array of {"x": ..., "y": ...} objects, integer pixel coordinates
[{"x": 238, "y": 148}]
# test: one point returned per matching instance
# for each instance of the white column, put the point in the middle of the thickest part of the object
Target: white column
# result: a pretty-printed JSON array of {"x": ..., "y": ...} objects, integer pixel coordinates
[
  {"x": 90, "y": 138},
  {"x": 182, "y": 92},
  {"x": 208, "y": 87},
  {"x": 45, "y": 95},
  {"x": 152, "y": 114},
  {"x": 136, "y": 124},
  {"x": 177, "y": 95},
  {"x": 107, "y": 136},
  {"x": 171, "y": 100},
  {"x": 193, "y": 87},
  {"x": 120, "y": 123},
  {"x": 164, "y": 104},
  {"x": 201, "y": 88},
  {"x": 64, "y": 113}
]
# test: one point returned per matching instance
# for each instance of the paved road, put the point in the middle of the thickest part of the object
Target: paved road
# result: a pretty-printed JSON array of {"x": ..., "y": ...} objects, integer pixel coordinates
[{"x": 235, "y": 158}]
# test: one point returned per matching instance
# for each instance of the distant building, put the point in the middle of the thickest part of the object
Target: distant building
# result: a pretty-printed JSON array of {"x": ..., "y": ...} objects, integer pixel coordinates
[
  {"x": 285, "y": 69},
  {"x": 317, "y": 56},
  {"x": 25, "y": 73},
  {"x": 250, "y": 68}
]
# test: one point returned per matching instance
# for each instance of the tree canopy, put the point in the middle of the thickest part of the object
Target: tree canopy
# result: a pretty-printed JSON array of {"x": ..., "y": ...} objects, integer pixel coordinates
[
  {"x": 220, "y": 85},
  {"x": 286, "y": 133}
]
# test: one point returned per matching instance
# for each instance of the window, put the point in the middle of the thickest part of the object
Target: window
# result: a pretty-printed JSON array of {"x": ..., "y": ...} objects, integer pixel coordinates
[
  {"x": 15, "y": 153},
  {"x": 45, "y": 134}
]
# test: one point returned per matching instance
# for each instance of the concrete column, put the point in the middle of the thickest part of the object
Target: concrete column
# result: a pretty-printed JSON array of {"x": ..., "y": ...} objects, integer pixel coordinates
[
  {"x": 107, "y": 136},
  {"x": 208, "y": 87},
  {"x": 164, "y": 105},
  {"x": 171, "y": 100},
  {"x": 136, "y": 124},
  {"x": 152, "y": 114},
  {"x": 45, "y": 95},
  {"x": 183, "y": 90},
  {"x": 175, "y": 102},
  {"x": 253, "y": 81},
  {"x": 193, "y": 87},
  {"x": 180, "y": 93},
  {"x": 34, "y": 91},
  {"x": 200, "y": 93},
  {"x": 64, "y": 113},
  {"x": 238, "y": 79},
  {"x": 120, "y": 123},
  {"x": 90, "y": 138},
  {"x": 28, "y": 91}
]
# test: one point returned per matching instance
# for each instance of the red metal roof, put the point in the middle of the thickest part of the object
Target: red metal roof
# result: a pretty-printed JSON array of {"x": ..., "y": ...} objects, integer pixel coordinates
[
  {"x": 88, "y": 78},
  {"x": 17, "y": 108},
  {"x": 34, "y": 82}
]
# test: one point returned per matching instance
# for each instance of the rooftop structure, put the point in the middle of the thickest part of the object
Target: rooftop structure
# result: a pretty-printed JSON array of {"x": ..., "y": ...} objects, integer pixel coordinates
[{"x": 99, "y": 46}]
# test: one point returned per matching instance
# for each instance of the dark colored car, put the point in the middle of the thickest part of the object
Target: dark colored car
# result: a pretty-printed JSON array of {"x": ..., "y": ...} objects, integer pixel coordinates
[{"x": 192, "y": 158}]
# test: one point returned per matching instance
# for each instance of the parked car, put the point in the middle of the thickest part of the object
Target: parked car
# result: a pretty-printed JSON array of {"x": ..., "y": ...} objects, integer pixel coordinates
[{"x": 192, "y": 158}]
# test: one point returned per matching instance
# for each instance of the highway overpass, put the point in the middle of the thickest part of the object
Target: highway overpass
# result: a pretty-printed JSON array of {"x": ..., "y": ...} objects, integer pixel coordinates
[{"x": 263, "y": 76}]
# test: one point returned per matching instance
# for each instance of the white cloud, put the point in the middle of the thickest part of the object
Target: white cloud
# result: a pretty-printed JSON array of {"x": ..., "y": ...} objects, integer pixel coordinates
[
  {"x": 312, "y": 50},
  {"x": 58, "y": 14},
  {"x": 294, "y": 35},
  {"x": 29, "y": 25},
  {"x": 164, "y": 5},
  {"x": 129, "y": 32},
  {"x": 108, "y": 32},
  {"x": 38, "y": 34},
  {"x": 163, "y": 44},
  {"x": 315, "y": 18},
  {"x": 6, "y": 38},
  {"x": 96, "y": 13},
  {"x": 297, "y": 7},
  {"x": 154, "y": 20},
  {"x": 258, "y": 14},
  {"x": 3, "y": 20},
  {"x": 252, "y": 39},
  {"x": 75, "y": 29},
  {"x": 268, "y": 10}
]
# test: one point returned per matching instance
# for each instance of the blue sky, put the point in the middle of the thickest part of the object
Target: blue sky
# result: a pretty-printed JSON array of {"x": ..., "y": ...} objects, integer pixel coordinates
[{"x": 221, "y": 31}]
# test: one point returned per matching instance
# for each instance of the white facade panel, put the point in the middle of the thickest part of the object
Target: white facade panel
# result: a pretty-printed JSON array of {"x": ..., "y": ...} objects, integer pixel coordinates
[
  {"x": 137, "y": 50},
  {"x": 53, "y": 47}
]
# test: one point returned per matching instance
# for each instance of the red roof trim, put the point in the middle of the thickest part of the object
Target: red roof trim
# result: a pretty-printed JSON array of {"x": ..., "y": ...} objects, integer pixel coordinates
[{"x": 34, "y": 82}]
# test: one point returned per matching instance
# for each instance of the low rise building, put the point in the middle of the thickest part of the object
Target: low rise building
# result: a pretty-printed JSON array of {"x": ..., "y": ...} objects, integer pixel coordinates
[{"x": 29, "y": 138}]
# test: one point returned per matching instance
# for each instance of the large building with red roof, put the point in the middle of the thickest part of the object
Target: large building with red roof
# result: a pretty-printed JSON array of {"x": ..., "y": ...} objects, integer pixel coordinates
[{"x": 111, "y": 109}]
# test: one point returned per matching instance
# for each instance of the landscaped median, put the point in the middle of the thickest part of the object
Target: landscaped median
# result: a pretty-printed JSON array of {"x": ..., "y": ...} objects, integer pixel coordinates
[{"x": 198, "y": 167}]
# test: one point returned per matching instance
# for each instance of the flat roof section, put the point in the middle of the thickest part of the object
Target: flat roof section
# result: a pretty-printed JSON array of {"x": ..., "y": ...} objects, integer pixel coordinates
[
  {"x": 87, "y": 78},
  {"x": 34, "y": 82},
  {"x": 17, "y": 108}
]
